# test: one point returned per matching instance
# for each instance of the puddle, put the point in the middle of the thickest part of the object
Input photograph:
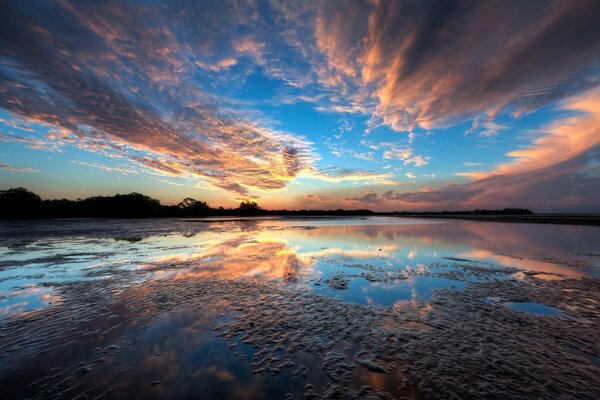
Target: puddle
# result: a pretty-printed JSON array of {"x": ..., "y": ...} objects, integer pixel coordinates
[
  {"x": 548, "y": 277},
  {"x": 533, "y": 308},
  {"x": 363, "y": 291},
  {"x": 591, "y": 358},
  {"x": 27, "y": 298}
]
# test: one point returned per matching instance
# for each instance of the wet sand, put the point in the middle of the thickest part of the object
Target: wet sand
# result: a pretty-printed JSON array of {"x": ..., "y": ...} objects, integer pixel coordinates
[
  {"x": 379, "y": 308},
  {"x": 562, "y": 219}
]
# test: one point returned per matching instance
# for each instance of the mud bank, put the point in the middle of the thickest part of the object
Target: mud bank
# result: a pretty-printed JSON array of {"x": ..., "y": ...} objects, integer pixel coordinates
[{"x": 265, "y": 312}]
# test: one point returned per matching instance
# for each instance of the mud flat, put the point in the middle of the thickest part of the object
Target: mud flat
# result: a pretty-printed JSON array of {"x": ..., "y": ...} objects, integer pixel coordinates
[
  {"x": 279, "y": 310},
  {"x": 566, "y": 219}
]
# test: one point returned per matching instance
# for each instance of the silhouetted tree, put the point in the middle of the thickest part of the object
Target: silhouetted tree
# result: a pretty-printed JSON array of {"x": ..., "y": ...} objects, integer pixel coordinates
[
  {"x": 19, "y": 203},
  {"x": 132, "y": 205},
  {"x": 186, "y": 203},
  {"x": 249, "y": 208},
  {"x": 193, "y": 208}
]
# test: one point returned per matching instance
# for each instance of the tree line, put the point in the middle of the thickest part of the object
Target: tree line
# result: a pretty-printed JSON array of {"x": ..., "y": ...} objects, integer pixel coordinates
[{"x": 20, "y": 203}]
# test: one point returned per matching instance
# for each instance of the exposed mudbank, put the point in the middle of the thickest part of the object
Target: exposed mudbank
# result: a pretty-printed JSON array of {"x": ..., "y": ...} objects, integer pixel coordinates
[{"x": 233, "y": 313}]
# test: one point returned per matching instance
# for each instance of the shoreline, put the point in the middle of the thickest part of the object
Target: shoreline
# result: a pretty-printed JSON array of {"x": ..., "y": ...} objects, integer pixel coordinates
[{"x": 556, "y": 219}]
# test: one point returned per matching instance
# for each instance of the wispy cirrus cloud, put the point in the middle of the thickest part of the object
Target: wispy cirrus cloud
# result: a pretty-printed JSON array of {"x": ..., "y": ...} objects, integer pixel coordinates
[
  {"x": 562, "y": 139},
  {"x": 337, "y": 175},
  {"x": 318, "y": 197},
  {"x": 12, "y": 168},
  {"x": 124, "y": 171},
  {"x": 406, "y": 155}
]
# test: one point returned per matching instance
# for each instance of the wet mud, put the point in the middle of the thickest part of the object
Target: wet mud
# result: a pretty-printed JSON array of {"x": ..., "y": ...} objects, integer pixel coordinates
[{"x": 263, "y": 311}]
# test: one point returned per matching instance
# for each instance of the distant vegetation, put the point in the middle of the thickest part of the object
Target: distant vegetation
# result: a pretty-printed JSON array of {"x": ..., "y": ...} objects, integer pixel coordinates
[
  {"x": 504, "y": 211},
  {"x": 20, "y": 203}
]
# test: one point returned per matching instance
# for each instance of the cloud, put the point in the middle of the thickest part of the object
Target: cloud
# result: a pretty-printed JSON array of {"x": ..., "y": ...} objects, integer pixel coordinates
[
  {"x": 406, "y": 155},
  {"x": 369, "y": 199},
  {"x": 570, "y": 185},
  {"x": 118, "y": 78},
  {"x": 156, "y": 85},
  {"x": 318, "y": 198},
  {"x": 485, "y": 129},
  {"x": 124, "y": 171},
  {"x": 249, "y": 46},
  {"x": 431, "y": 64},
  {"x": 337, "y": 175},
  {"x": 472, "y": 164},
  {"x": 220, "y": 65},
  {"x": 559, "y": 170},
  {"x": 12, "y": 168},
  {"x": 562, "y": 139}
]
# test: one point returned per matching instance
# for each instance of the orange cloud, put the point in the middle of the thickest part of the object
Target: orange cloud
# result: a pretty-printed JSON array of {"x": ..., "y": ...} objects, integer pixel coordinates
[
  {"x": 243, "y": 257},
  {"x": 128, "y": 94},
  {"x": 562, "y": 139},
  {"x": 432, "y": 65},
  {"x": 560, "y": 168},
  {"x": 318, "y": 197},
  {"x": 406, "y": 155}
]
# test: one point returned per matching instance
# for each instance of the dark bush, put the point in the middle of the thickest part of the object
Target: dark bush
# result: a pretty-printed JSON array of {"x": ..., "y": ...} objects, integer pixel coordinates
[{"x": 19, "y": 203}]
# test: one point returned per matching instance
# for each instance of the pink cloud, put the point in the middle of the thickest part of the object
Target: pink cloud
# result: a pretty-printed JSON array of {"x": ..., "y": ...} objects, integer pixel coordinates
[
  {"x": 559, "y": 170},
  {"x": 12, "y": 168},
  {"x": 432, "y": 65}
]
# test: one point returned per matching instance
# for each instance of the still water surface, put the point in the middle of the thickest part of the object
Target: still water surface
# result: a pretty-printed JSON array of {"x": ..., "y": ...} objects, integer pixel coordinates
[{"x": 34, "y": 255}]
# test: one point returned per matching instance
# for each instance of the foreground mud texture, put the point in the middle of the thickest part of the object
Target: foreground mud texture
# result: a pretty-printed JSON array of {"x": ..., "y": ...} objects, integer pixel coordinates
[{"x": 185, "y": 327}]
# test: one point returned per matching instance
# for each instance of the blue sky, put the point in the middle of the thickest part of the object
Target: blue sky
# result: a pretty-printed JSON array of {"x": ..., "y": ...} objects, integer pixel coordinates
[{"x": 398, "y": 105}]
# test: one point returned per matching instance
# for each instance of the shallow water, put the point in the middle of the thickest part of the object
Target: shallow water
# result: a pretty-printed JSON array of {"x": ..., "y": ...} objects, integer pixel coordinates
[
  {"x": 264, "y": 308},
  {"x": 533, "y": 308}
]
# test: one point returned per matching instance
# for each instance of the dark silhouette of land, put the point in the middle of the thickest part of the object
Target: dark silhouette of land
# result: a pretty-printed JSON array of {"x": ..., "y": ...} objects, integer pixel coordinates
[{"x": 20, "y": 203}]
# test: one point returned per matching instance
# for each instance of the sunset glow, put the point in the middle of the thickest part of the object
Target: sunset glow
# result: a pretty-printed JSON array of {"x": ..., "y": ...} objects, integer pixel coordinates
[{"x": 384, "y": 105}]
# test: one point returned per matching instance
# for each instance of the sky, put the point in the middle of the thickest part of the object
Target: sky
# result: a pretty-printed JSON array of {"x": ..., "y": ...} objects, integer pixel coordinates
[{"x": 385, "y": 105}]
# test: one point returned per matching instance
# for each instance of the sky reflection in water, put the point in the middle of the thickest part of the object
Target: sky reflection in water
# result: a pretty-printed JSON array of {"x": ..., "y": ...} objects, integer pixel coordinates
[
  {"x": 307, "y": 252},
  {"x": 386, "y": 262}
]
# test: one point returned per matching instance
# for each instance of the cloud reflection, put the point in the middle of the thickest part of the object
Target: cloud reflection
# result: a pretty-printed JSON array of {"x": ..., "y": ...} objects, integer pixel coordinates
[{"x": 240, "y": 257}]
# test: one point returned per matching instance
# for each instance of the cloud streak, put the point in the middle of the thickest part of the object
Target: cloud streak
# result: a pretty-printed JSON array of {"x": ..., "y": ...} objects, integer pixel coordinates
[
  {"x": 337, "y": 175},
  {"x": 12, "y": 168},
  {"x": 318, "y": 197}
]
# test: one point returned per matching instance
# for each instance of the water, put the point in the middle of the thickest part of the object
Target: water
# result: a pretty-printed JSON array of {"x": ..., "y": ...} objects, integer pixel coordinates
[
  {"x": 533, "y": 308},
  {"x": 191, "y": 306},
  {"x": 391, "y": 250}
]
